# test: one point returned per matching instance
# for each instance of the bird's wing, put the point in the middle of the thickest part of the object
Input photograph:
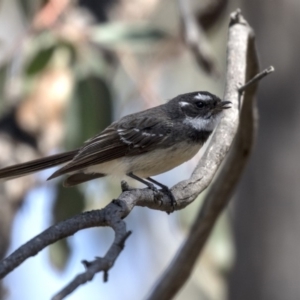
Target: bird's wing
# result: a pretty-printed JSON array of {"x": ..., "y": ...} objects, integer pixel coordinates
[{"x": 130, "y": 136}]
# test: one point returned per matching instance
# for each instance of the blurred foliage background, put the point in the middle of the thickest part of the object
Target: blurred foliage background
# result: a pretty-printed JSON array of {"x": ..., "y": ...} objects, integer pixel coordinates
[{"x": 69, "y": 68}]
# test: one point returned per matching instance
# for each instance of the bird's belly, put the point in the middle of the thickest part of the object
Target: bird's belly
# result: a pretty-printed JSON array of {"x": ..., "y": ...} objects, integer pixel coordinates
[
  {"x": 162, "y": 160},
  {"x": 150, "y": 163}
]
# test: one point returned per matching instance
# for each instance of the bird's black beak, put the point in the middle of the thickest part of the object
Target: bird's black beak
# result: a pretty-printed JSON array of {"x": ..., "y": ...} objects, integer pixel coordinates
[
  {"x": 221, "y": 105},
  {"x": 225, "y": 104}
]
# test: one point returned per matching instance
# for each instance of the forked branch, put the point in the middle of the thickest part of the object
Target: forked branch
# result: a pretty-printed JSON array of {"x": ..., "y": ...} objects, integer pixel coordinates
[{"x": 242, "y": 66}]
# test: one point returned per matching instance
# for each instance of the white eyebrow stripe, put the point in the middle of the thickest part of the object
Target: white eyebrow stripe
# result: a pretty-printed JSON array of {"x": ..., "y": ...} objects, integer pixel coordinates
[
  {"x": 183, "y": 103},
  {"x": 203, "y": 97}
]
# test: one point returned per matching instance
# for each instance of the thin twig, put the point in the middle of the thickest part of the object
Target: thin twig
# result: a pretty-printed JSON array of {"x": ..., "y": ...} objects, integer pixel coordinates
[
  {"x": 256, "y": 78},
  {"x": 97, "y": 265}
]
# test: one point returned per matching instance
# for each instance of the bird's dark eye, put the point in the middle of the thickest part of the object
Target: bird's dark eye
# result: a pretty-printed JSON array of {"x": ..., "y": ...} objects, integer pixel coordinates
[{"x": 200, "y": 104}]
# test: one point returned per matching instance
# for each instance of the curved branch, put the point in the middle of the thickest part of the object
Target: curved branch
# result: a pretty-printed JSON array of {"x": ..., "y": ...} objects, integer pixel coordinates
[
  {"x": 187, "y": 190},
  {"x": 241, "y": 60},
  {"x": 111, "y": 216}
]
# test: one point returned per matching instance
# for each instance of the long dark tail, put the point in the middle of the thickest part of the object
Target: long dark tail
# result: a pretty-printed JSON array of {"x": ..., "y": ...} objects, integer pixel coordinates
[{"x": 36, "y": 165}]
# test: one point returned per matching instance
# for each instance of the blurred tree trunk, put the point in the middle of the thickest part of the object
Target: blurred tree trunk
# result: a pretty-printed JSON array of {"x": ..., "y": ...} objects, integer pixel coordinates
[{"x": 267, "y": 209}]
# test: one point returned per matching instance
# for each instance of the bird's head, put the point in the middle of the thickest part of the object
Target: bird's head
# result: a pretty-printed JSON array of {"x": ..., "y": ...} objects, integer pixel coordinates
[{"x": 201, "y": 110}]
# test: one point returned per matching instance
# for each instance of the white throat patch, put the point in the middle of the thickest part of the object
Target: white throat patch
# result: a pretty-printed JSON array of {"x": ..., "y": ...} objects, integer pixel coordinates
[{"x": 203, "y": 124}]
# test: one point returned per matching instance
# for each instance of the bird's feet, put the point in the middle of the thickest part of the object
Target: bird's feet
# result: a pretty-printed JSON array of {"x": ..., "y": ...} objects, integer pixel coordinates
[
  {"x": 168, "y": 192},
  {"x": 125, "y": 186},
  {"x": 157, "y": 193}
]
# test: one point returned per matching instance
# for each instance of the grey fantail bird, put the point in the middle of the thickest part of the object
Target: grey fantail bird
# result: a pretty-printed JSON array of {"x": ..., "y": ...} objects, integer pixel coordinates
[{"x": 139, "y": 145}]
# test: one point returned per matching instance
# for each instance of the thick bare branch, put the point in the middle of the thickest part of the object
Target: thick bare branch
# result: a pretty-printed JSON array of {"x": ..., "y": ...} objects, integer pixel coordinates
[
  {"x": 241, "y": 60},
  {"x": 111, "y": 216},
  {"x": 186, "y": 191}
]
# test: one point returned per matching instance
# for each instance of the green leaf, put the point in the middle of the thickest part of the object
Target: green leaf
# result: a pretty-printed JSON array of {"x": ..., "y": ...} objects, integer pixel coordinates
[
  {"x": 91, "y": 110},
  {"x": 68, "y": 203},
  {"x": 40, "y": 60}
]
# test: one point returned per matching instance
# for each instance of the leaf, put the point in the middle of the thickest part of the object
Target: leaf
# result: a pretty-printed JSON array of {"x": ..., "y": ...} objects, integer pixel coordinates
[
  {"x": 40, "y": 61},
  {"x": 68, "y": 203},
  {"x": 92, "y": 110}
]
